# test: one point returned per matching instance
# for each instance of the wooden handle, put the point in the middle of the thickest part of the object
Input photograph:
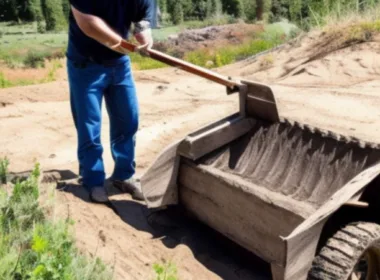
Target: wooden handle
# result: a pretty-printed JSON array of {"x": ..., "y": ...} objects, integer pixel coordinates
[{"x": 184, "y": 65}]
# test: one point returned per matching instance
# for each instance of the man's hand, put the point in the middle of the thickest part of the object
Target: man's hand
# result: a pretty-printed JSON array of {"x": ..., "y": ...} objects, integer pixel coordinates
[{"x": 145, "y": 39}]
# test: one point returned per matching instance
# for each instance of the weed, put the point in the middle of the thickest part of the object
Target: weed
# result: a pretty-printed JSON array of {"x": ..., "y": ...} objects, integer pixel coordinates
[
  {"x": 227, "y": 55},
  {"x": 4, "y": 83},
  {"x": 267, "y": 61},
  {"x": 166, "y": 271},
  {"x": 32, "y": 247},
  {"x": 4, "y": 163},
  {"x": 144, "y": 63},
  {"x": 51, "y": 76},
  {"x": 35, "y": 59}
]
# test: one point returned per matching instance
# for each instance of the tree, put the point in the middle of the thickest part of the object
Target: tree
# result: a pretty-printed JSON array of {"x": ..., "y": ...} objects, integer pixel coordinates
[
  {"x": 177, "y": 13},
  {"x": 66, "y": 9},
  {"x": 53, "y": 14},
  {"x": 250, "y": 9},
  {"x": 259, "y": 9},
  {"x": 234, "y": 8}
]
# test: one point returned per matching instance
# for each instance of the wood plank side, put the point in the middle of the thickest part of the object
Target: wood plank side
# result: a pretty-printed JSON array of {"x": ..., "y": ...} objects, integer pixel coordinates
[
  {"x": 199, "y": 144},
  {"x": 286, "y": 203},
  {"x": 159, "y": 182},
  {"x": 302, "y": 242},
  {"x": 240, "y": 215}
]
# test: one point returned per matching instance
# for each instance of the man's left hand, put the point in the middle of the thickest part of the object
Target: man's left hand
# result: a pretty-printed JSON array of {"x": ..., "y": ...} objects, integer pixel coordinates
[{"x": 145, "y": 40}]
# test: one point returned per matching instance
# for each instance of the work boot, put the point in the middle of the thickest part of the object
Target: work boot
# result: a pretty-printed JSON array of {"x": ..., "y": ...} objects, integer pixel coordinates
[
  {"x": 131, "y": 186},
  {"x": 98, "y": 195}
]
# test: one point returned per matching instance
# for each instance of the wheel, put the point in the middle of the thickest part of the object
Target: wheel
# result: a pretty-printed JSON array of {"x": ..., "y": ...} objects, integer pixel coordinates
[{"x": 353, "y": 253}]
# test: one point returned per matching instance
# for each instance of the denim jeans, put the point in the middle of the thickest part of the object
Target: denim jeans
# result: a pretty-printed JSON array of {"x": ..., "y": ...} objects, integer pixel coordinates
[{"x": 89, "y": 83}]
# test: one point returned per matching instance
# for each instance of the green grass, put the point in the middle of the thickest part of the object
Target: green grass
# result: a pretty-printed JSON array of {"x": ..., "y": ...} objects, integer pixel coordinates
[
  {"x": 162, "y": 34},
  {"x": 166, "y": 271},
  {"x": 15, "y": 49},
  {"x": 34, "y": 247},
  {"x": 144, "y": 63},
  {"x": 11, "y": 27},
  {"x": 50, "y": 77},
  {"x": 31, "y": 50},
  {"x": 230, "y": 54}
]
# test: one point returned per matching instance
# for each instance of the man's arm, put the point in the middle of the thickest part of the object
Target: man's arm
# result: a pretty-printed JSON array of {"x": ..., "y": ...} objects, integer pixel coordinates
[{"x": 97, "y": 29}]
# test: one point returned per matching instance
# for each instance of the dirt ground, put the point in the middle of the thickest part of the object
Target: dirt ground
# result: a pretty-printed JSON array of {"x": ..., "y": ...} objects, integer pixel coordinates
[{"x": 337, "y": 89}]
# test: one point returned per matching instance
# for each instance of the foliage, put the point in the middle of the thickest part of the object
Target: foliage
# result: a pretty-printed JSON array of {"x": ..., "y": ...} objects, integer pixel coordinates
[
  {"x": 66, "y": 9},
  {"x": 227, "y": 55},
  {"x": 4, "y": 83},
  {"x": 166, "y": 271},
  {"x": 250, "y": 9},
  {"x": 144, "y": 63},
  {"x": 35, "y": 59},
  {"x": 50, "y": 77},
  {"x": 4, "y": 163},
  {"x": 53, "y": 14},
  {"x": 233, "y": 7},
  {"x": 32, "y": 247},
  {"x": 177, "y": 15}
]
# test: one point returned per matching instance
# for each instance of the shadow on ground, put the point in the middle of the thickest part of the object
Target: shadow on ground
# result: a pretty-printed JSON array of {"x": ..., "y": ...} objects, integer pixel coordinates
[{"x": 174, "y": 227}]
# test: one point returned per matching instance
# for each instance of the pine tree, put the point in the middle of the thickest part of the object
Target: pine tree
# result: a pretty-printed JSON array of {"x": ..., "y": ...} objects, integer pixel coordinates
[
  {"x": 66, "y": 9},
  {"x": 250, "y": 9},
  {"x": 53, "y": 14},
  {"x": 177, "y": 15},
  {"x": 295, "y": 7}
]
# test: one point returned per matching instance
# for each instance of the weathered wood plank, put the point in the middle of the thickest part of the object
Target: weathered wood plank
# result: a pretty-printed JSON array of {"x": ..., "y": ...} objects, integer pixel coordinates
[
  {"x": 237, "y": 212},
  {"x": 214, "y": 136},
  {"x": 301, "y": 243}
]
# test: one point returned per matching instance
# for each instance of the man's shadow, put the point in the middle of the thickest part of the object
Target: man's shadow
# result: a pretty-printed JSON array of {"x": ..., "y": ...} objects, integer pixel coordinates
[{"x": 174, "y": 227}]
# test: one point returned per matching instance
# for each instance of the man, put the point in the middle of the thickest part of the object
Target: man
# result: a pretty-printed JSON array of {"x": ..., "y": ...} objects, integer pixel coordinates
[{"x": 99, "y": 67}]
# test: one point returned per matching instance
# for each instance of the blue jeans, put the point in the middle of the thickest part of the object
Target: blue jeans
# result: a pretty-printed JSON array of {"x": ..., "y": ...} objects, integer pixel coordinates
[{"x": 89, "y": 83}]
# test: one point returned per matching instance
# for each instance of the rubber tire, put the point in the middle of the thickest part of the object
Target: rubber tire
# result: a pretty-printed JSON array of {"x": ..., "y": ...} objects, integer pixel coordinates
[{"x": 338, "y": 258}]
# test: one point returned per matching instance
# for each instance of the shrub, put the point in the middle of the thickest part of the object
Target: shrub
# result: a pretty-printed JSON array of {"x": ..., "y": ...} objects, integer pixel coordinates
[
  {"x": 177, "y": 16},
  {"x": 53, "y": 14},
  {"x": 32, "y": 247},
  {"x": 167, "y": 271},
  {"x": 35, "y": 59},
  {"x": 227, "y": 55},
  {"x": 4, "y": 163},
  {"x": 4, "y": 83}
]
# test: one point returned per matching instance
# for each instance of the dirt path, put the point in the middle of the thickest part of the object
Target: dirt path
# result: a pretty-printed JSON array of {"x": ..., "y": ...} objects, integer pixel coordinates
[{"x": 338, "y": 91}]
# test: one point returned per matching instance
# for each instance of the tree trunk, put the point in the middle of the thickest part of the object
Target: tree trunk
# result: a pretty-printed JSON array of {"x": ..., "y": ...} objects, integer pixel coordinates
[{"x": 259, "y": 9}]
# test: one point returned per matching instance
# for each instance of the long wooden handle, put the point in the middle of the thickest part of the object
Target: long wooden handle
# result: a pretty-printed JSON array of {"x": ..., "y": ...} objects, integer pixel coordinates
[{"x": 186, "y": 66}]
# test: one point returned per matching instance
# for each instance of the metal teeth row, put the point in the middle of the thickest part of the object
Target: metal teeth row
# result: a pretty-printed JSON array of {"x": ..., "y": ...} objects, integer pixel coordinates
[{"x": 330, "y": 134}]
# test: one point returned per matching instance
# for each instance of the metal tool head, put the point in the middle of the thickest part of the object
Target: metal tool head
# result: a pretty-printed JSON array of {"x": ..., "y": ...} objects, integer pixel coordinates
[{"x": 257, "y": 100}]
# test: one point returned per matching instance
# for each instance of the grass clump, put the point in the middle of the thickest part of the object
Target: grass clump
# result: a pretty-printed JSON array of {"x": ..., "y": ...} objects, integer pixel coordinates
[
  {"x": 140, "y": 62},
  {"x": 4, "y": 163},
  {"x": 167, "y": 271},
  {"x": 227, "y": 55},
  {"x": 35, "y": 59},
  {"x": 33, "y": 247},
  {"x": 51, "y": 76}
]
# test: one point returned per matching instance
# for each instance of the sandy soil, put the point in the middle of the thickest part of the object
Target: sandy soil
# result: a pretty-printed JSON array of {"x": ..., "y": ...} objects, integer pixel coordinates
[{"x": 336, "y": 90}]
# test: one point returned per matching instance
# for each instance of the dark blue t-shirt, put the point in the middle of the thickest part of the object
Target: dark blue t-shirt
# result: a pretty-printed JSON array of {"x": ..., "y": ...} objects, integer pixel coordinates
[{"x": 118, "y": 14}]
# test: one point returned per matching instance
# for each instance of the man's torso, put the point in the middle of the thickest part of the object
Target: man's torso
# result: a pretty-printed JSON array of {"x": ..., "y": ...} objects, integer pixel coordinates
[{"x": 117, "y": 14}]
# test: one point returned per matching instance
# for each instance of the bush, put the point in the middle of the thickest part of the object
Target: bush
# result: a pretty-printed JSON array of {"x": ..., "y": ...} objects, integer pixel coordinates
[
  {"x": 53, "y": 14},
  {"x": 32, "y": 247},
  {"x": 167, "y": 271},
  {"x": 4, "y": 163},
  {"x": 35, "y": 59},
  {"x": 4, "y": 83},
  {"x": 177, "y": 16},
  {"x": 227, "y": 55}
]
